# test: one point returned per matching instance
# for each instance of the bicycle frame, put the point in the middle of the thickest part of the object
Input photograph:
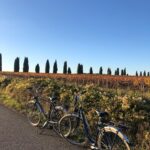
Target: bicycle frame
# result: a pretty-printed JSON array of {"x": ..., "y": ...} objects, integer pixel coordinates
[
  {"x": 100, "y": 126},
  {"x": 104, "y": 126},
  {"x": 52, "y": 106},
  {"x": 39, "y": 106},
  {"x": 86, "y": 125}
]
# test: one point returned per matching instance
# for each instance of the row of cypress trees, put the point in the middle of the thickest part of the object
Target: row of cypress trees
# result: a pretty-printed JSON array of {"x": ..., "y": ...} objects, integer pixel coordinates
[
  {"x": 37, "y": 67},
  {"x": 66, "y": 69},
  {"x": 0, "y": 62}
]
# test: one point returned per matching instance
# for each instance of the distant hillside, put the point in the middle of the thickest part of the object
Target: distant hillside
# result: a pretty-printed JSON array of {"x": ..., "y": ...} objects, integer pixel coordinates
[{"x": 108, "y": 81}]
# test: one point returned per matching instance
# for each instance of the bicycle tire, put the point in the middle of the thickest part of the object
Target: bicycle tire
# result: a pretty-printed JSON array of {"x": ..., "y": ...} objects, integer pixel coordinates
[
  {"x": 55, "y": 116},
  {"x": 110, "y": 138},
  {"x": 33, "y": 114},
  {"x": 72, "y": 129}
]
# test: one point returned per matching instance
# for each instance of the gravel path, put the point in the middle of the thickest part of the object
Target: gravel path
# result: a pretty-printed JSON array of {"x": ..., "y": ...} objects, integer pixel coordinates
[{"x": 17, "y": 134}]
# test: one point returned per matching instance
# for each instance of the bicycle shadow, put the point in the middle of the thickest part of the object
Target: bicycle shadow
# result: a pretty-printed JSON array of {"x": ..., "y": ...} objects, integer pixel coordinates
[{"x": 47, "y": 132}]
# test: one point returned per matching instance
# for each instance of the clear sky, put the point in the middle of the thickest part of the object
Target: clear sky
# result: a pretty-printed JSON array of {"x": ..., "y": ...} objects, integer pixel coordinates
[{"x": 108, "y": 33}]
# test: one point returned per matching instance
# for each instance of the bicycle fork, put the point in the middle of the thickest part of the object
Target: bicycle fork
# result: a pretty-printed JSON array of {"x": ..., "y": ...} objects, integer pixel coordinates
[{"x": 87, "y": 132}]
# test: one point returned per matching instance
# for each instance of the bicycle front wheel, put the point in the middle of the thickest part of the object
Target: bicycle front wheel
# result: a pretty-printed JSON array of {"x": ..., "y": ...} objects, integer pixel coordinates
[
  {"x": 33, "y": 114},
  {"x": 72, "y": 129},
  {"x": 55, "y": 116},
  {"x": 112, "y": 139}
]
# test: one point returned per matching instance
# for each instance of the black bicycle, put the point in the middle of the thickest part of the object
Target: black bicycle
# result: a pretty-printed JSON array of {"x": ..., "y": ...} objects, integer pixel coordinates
[
  {"x": 75, "y": 129},
  {"x": 36, "y": 115}
]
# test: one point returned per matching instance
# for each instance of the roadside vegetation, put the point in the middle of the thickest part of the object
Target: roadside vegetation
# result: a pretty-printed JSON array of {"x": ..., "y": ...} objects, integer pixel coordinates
[{"x": 131, "y": 107}]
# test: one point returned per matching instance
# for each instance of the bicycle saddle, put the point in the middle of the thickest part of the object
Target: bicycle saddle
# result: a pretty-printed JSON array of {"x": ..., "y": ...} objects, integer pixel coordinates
[
  {"x": 53, "y": 99},
  {"x": 104, "y": 116}
]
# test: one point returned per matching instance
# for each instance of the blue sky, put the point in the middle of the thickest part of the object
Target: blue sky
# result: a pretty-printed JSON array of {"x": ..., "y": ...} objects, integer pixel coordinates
[{"x": 108, "y": 33}]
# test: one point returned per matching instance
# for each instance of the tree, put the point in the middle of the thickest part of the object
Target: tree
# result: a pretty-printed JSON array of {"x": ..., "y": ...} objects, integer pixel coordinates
[
  {"x": 37, "y": 68},
  {"x": 80, "y": 69},
  {"x": 144, "y": 73},
  {"x": 100, "y": 70},
  {"x": 117, "y": 72},
  {"x": 0, "y": 62},
  {"x": 69, "y": 70},
  {"x": 47, "y": 66},
  {"x": 26, "y": 65},
  {"x": 108, "y": 71},
  {"x": 148, "y": 74},
  {"x": 141, "y": 73},
  {"x": 17, "y": 65},
  {"x": 91, "y": 70},
  {"x": 124, "y": 72},
  {"x": 55, "y": 68},
  {"x": 65, "y": 67},
  {"x": 136, "y": 74}
]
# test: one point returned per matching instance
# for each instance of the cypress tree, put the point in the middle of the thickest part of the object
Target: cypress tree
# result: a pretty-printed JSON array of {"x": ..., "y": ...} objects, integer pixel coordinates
[
  {"x": 37, "y": 68},
  {"x": 91, "y": 70},
  {"x": 117, "y": 72},
  {"x": 55, "y": 68},
  {"x": 16, "y": 65},
  {"x": 136, "y": 74},
  {"x": 148, "y": 74},
  {"x": 100, "y": 70},
  {"x": 108, "y": 71},
  {"x": 144, "y": 74},
  {"x": 69, "y": 70},
  {"x": 141, "y": 73},
  {"x": 65, "y": 67},
  {"x": 124, "y": 72},
  {"x": 26, "y": 65},
  {"x": 0, "y": 62},
  {"x": 47, "y": 66},
  {"x": 79, "y": 69}
]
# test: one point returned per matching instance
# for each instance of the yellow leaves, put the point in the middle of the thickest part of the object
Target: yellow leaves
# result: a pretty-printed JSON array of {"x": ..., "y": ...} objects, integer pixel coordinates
[
  {"x": 125, "y": 102},
  {"x": 147, "y": 135}
]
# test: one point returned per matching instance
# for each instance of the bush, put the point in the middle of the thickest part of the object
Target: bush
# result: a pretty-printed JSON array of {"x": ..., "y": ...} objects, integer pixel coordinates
[{"x": 124, "y": 106}]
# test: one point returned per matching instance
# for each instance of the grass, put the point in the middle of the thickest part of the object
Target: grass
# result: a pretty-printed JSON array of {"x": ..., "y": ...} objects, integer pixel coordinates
[{"x": 10, "y": 102}]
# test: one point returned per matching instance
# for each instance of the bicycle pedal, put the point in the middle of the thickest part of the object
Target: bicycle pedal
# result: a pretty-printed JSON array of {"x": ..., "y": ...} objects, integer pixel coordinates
[
  {"x": 45, "y": 124},
  {"x": 50, "y": 126},
  {"x": 93, "y": 147},
  {"x": 53, "y": 122}
]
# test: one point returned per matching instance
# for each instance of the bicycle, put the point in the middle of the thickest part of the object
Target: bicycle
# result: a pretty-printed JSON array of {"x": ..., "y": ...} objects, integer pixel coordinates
[
  {"x": 36, "y": 113},
  {"x": 74, "y": 127}
]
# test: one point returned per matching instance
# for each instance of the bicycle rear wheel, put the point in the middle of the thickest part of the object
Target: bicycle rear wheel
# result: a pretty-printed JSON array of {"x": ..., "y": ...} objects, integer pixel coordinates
[
  {"x": 33, "y": 114},
  {"x": 72, "y": 129},
  {"x": 112, "y": 139}
]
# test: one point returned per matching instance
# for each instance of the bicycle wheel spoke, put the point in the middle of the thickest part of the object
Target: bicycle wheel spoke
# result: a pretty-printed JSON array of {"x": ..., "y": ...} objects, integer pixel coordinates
[
  {"x": 106, "y": 141},
  {"x": 33, "y": 114},
  {"x": 72, "y": 129},
  {"x": 55, "y": 116},
  {"x": 111, "y": 141}
]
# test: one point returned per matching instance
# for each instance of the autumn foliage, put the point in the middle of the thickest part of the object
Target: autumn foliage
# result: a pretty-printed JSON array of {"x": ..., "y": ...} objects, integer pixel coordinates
[{"x": 108, "y": 81}]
